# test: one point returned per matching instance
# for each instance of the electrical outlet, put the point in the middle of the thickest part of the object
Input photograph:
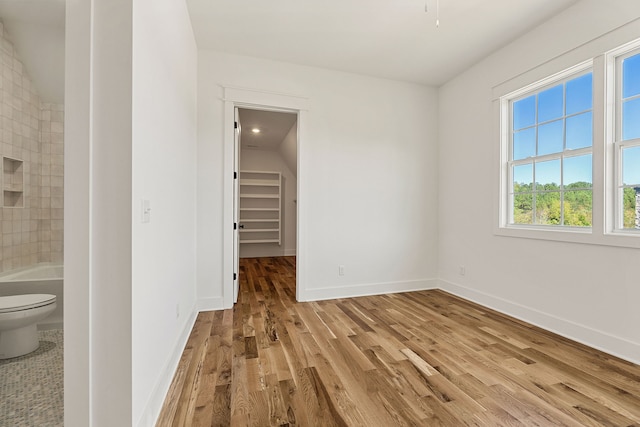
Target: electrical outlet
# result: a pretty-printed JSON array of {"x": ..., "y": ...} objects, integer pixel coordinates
[
  {"x": 462, "y": 270},
  {"x": 341, "y": 270},
  {"x": 177, "y": 311}
]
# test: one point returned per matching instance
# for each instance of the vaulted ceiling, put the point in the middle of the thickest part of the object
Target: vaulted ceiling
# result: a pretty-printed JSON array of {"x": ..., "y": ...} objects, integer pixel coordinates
[
  {"x": 393, "y": 39},
  {"x": 36, "y": 28}
]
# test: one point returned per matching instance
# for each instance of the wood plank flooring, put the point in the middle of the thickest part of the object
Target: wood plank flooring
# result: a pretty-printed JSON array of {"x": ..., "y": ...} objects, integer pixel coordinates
[{"x": 413, "y": 359}]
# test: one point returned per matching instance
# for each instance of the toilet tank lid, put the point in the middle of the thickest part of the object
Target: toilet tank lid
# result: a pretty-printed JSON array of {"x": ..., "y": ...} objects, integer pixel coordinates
[{"x": 24, "y": 302}]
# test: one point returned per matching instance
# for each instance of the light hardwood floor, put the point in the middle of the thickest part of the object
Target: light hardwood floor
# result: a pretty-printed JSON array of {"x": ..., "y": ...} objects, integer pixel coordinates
[{"x": 422, "y": 358}]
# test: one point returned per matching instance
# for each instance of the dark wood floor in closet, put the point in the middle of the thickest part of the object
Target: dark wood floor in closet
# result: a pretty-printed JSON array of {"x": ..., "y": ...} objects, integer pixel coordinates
[{"x": 422, "y": 358}]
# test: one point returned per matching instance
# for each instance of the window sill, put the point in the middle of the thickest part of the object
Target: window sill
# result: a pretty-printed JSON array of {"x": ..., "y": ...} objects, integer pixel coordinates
[{"x": 571, "y": 235}]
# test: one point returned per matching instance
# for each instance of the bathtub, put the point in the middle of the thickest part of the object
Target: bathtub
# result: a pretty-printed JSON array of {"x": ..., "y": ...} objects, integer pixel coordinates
[{"x": 44, "y": 278}]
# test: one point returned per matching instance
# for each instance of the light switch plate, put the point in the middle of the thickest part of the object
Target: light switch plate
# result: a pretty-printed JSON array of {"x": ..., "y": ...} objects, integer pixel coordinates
[{"x": 146, "y": 210}]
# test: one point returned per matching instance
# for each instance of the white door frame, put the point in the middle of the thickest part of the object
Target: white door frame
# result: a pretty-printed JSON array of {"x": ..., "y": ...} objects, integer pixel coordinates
[
  {"x": 237, "y": 135},
  {"x": 261, "y": 100}
]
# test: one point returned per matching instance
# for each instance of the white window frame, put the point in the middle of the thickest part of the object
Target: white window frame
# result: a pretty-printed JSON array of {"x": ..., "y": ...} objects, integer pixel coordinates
[
  {"x": 598, "y": 53},
  {"x": 614, "y": 142},
  {"x": 506, "y": 124}
]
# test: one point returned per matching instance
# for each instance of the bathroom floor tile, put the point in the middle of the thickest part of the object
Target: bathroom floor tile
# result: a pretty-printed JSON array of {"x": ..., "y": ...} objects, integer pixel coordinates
[{"x": 31, "y": 386}]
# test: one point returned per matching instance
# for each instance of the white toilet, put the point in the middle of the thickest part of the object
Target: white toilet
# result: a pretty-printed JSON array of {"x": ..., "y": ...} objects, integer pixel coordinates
[{"x": 18, "y": 317}]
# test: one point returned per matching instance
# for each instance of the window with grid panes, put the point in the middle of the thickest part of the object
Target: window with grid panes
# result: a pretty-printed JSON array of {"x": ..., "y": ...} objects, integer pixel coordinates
[
  {"x": 550, "y": 153},
  {"x": 627, "y": 140}
]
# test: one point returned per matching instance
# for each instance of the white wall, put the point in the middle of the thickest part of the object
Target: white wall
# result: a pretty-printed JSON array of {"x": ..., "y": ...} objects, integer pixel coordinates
[
  {"x": 369, "y": 173},
  {"x": 41, "y": 47},
  {"x": 586, "y": 292},
  {"x": 271, "y": 160},
  {"x": 131, "y": 121},
  {"x": 289, "y": 149},
  {"x": 110, "y": 198},
  {"x": 77, "y": 245},
  {"x": 164, "y": 156},
  {"x": 97, "y": 283}
]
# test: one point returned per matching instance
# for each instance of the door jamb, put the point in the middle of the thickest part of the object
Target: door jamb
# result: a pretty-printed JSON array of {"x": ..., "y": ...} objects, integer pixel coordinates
[{"x": 271, "y": 101}]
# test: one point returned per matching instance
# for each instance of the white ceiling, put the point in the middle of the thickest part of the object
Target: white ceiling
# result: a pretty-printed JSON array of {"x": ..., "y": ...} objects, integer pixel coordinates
[
  {"x": 36, "y": 28},
  {"x": 393, "y": 39},
  {"x": 273, "y": 126}
]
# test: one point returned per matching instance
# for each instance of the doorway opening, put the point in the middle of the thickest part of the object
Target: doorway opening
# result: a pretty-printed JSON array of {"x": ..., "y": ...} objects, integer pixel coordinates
[{"x": 266, "y": 191}]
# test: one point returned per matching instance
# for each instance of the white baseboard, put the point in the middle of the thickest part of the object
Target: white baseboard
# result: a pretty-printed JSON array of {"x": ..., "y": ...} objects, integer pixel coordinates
[
  {"x": 367, "y": 290},
  {"x": 261, "y": 254},
  {"x": 266, "y": 252},
  {"x": 211, "y": 303},
  {"x": 153, "y": 406},
  {"x": 594, "y": 338}
]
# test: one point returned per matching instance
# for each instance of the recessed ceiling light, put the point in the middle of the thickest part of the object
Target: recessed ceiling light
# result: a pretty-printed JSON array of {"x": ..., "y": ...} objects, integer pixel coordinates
[{"x": 255, "y": 130}]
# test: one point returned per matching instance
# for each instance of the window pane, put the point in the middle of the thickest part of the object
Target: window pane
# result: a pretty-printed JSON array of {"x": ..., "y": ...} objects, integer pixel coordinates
[
  {"x": 523, "y": 178},
  {"x": 631, "y": 166},
  {"x": 580, "y": 131},
  {"x": 548, "y": 175},
  {"x": 548, "y": 208},
  {"x": 630, "y": 202},
  {"x": 523, "y": 208},
  {"x": 524, "y": 144},
  {"x": 580, "y": 94},
  {"x": 524, "y": 113},
  {"x": 631, "y": 76},
  {"x": 549, "y": 128},
  {"x": 631, "y": 119},
  {"x": 550, "y": 104},
  {"x": 578, "y": 208},
  {"x": 550, "y": 138},
  {"x": 577, "y": 172}
]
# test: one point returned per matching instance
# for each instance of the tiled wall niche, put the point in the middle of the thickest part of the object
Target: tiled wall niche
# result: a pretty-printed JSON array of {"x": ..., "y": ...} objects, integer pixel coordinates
[
  {"x": 12, "y": 182},
  {"x": 32, "y": 149}
]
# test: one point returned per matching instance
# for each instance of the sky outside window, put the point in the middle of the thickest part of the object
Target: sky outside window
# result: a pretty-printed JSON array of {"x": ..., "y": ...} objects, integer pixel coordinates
[
  {"x": 523, "y": 174},
  {"x": 577, "y": 170},
  {"x": 580, "y": 131},
  {"x": 524, "y": 144},
  {"x": 547, "y": 173},
  {"x": 630, "y": 73},
  {"x": 631, "y": 119},
  {"x": 550, "y": 138},
  {"x": 557, "y": 119},
  {"x": 631, "y": 105},
  {"x": 524, "y": 113},
  {"x": 580, "y": 94},
  {"x": 631, "y": 166},
  {"x": 550, "y": 104}
]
